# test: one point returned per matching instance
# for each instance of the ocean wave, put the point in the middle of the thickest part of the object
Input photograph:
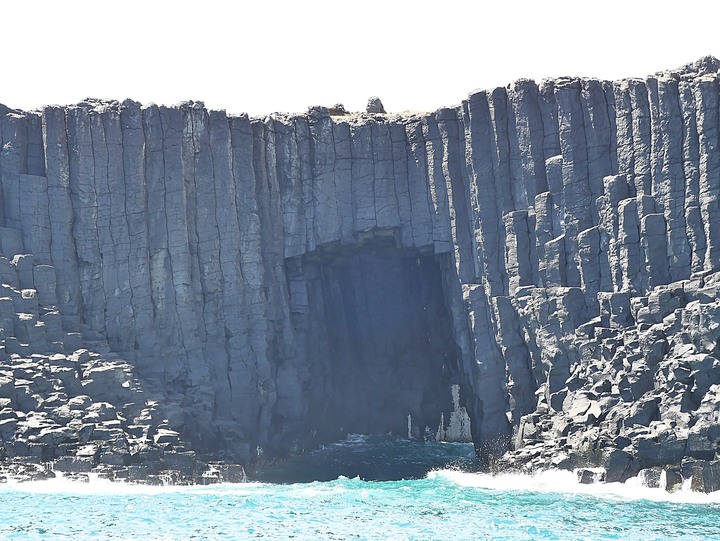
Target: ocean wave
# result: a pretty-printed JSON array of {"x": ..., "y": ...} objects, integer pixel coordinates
[
  {"x": 97, "y": 486},
  {"x": 550, "y": 481},
  {"x": 446, "y": 503},
  {"x": 566, "y": 482},
  {"x": 100, "y": 487}
]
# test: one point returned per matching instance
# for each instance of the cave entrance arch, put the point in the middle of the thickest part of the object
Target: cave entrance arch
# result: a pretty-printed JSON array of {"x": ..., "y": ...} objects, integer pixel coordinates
[{"x": 377, "y": 337}]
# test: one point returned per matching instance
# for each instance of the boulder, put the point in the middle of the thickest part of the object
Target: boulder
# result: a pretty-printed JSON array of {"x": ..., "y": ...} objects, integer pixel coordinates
[
  {"x": 588, "y": 476},
  {"x": 374, "y": 105},
  {"x": 74, "y": 464}
]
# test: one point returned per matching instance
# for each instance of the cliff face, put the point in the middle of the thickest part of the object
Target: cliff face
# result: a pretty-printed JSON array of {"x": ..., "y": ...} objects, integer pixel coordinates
[{"x": 295, "y": 278}]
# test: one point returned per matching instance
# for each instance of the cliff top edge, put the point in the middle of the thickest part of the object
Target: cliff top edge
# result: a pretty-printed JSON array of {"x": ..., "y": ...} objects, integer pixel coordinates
[{"x": 706, "y": 67}]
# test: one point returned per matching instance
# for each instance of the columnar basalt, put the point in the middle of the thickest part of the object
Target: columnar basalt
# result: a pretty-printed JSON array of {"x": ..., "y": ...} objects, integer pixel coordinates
[{"x": 552, "y": 248}]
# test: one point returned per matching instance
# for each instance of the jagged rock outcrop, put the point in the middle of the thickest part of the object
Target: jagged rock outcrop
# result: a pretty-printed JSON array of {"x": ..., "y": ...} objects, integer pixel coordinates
[
  {"x": 67, "y": 409},
  {"x": 550, "y": 247}
]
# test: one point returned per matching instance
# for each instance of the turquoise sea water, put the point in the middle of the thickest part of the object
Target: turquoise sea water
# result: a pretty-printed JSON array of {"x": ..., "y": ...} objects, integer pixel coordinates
[{"x": 445, "y": 504}]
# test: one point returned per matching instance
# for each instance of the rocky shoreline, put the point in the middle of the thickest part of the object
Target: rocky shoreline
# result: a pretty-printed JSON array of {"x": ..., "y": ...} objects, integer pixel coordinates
[
  {"x": 85, "y": 414},
  {"x": 81, "y": 411},
  {"x": 182, "y": 288},
  {"x": 643, "y": 397}
]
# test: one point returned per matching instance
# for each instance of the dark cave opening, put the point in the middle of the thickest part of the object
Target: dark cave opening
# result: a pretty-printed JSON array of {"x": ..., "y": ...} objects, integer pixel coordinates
[{"x": 377, "y": 337}]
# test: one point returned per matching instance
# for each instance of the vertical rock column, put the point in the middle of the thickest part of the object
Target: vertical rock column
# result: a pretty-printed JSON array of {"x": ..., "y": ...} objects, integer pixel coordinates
[
  {"x": 590, "y": 263},
  {"x": 62, "y": 246},
  {"x": 208, "y": 373},
  {"x": 83, "y": 196},
  {"x": 706, "y": 99},
  {"x": 234, "y": 326},
  {"x": 599, "y": 126},
  {"x": 12, "y": 160},
  {"x": 162, "y": 290},
  {"x": 691, "y": 168},
  {"x": 137, "y": 217},
  {"x": 325, "y": 209},
  {"x": 386, "y": 196},
  {"x": 442, "y": 229},
  {"x": 456, "y": 185},
  {"x": 422, "y": 224},
  {"x": 291, "y": 370},
  {"x": 250, "y": 368},
  {"x": 518, "y": 252},
  {"x": 490, "y": 422},
  {"x": 629, "y": 246},
  {"x": 543, "y": 234},
  {"x": 113, "y": 227},
  {"x": 641, "y": 136},
  {"x": 576, "y": 188},
  {"x": 290, "y": 180},
  {"x": 484, "y": 197},
  {"x": 343, "y": 178},
  {"x": 363, "y": 179},
  {"x": 668, "y": 174},
  {"x": 611, "y": 272},
  {"x": 528, "y": 124},
  {"x": 399, "y": 142}
]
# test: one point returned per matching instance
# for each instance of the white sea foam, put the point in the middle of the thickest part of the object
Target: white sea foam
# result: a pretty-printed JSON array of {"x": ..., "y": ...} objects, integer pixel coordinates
[
  {"x": 561, "y": 481},
  {"x": 99, "y": 486},
  {"x": 93, "y": 486},
  {"x": 550, "y": 481},
  {"x": 353, "y": 439}
]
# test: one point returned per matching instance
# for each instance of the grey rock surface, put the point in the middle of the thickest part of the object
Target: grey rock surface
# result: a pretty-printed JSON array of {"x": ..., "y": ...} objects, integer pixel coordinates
[
  {"x": 374, "y": 105},
  {"x": 174, "y": 280}
]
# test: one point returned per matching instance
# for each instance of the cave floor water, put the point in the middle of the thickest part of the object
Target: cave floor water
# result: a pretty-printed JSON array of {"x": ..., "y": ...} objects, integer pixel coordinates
[{"x": 442, "y": 503}]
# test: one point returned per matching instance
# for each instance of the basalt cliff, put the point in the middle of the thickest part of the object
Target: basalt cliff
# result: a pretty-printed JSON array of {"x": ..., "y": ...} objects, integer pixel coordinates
[{"x": 180, "y": 285}]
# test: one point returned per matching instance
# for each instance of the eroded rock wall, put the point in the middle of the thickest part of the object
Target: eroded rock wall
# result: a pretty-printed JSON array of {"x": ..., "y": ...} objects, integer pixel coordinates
[{"x": 179, "y": 235}]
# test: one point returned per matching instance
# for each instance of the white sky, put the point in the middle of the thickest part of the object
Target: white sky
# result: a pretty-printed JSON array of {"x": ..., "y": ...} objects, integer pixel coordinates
[{"x": 261, "y": 56}]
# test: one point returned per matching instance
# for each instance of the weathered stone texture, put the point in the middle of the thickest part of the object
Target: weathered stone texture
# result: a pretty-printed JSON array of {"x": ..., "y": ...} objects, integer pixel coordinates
[{"x": 215, "y": 252}]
